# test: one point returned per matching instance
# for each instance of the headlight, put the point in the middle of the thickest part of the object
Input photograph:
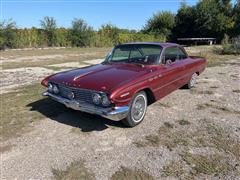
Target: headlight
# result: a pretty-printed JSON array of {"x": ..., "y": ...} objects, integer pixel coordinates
[
  {"x": 55, "y": 89},
  {"x": 50, "y": 87},
  {"x": 96, "y": 98},
  {"x": 105, "y": 100}
]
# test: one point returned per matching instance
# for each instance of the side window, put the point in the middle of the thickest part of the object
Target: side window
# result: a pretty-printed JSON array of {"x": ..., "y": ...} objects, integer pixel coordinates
[
  {"x": 173, "y": 54},
  {"x": 181, "y": 54}
]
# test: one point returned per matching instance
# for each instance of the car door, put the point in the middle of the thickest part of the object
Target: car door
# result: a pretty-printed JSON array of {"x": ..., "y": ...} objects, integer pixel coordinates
[{"x": 170, "y": 72}]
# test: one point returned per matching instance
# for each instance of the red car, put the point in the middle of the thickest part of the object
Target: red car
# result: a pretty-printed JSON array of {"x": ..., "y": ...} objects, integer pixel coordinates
[{"x": 132, "y": 76}]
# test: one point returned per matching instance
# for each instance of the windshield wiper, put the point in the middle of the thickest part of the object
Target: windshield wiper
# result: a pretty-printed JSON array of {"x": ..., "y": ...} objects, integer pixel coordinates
[{"x": 139, "y": 64}]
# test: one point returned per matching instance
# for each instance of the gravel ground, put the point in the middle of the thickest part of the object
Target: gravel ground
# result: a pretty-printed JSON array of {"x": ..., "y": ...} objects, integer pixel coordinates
[{"x": 106, "y": 146}]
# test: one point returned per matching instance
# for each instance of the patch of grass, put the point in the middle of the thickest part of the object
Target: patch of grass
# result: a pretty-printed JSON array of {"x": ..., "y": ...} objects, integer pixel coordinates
[
  {"x": 173, "y": 169},
  {"x": 23, "y": 107},
  {"x": 5, "y": 148},
  {"x": 219, "y": 139},
  {"x": 76, "y": 170},
  {"x": 184, "y": 122},
  {"x": 210, "y": 165},
  {"x": 53, "y": 51},
  {"x": 165, "y": 137},
  {"x": 217, "y": 107},
  {"x": 207, "y": 92},
  {"x": 214, "y": 87},
  {"x": 203, "y": 106},
  {"x": 236, "y": 91},
  {"x": 164, "y": 105},
  {"x": 129, "y": 174},
  {"x": 168, "y": 125}
]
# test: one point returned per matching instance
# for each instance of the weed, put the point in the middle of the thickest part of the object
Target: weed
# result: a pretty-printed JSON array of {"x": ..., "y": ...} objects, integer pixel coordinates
[
  {"x": 129, "y": 174},
  {"x": 211, "y": 165},
  {"x": 183, "y": 122},
  {"x": 76, "y": 170}
]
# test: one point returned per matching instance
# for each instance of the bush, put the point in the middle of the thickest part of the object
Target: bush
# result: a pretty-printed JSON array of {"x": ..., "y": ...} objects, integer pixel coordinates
[{"x": 231, "y": 48}]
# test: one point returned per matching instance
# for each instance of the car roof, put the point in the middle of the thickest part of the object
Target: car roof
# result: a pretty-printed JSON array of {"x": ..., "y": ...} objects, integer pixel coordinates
[{"x": 165, "y": 44}]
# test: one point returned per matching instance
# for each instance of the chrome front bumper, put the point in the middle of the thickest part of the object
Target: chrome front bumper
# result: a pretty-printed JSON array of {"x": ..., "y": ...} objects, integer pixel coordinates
[{"x": 113, "y": 113}]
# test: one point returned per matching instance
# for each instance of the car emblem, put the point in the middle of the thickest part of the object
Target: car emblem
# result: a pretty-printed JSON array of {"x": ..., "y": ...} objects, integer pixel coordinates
[{"x": 70, "y": 95}]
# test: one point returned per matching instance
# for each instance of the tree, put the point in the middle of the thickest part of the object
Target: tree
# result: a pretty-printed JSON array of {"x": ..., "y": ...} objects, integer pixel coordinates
[
  {"x": 109, "y": 35},
  {"x": 213, "y": 18},
  {"x": 185, "y": 22},
  {"x": 81, "y": 33},
  {"x": 7, "y": 34},
  {"x": 236, "y": 16},
  {"x": 161, "y": 23},
  {"x": 49, "y": 25}
]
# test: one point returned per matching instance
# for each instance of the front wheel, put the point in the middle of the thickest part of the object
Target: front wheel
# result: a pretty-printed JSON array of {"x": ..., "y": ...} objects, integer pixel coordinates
[
  {"x": 137, "y": 110},
  {"x": 192, "y": 81}
]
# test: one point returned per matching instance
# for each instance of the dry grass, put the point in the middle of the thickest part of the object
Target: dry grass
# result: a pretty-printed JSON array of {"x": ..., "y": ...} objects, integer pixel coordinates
[
  {"x": 22, "y": 108},
  {"x": 211, "y": 165},
  {"x": 206, "y": 92},
  {"x": 166, "y": 137},
  {"x": 129, "y": 174},
  {"x": 76, "y": 170},
  {"x": 41, "y": 52},
  {"x": 5, "y": 148},
  {"x": 66, "y": 55},
  {"x": 184, "y": 122},
  {"x": 212, "y": 54},
  {"x": 173, "y": 169},
  {"x": 236, "y": 91},
  {"x": 217, "y": 107},
  {"x": 205, "y": 135}
]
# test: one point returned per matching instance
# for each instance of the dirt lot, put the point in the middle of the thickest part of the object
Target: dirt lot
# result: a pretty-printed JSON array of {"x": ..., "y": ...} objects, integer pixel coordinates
[{"x": 189, "y": 133}]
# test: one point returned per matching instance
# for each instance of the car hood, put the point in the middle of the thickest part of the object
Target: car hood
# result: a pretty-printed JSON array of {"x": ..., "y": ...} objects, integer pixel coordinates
[{"x": 101, "y": 77}]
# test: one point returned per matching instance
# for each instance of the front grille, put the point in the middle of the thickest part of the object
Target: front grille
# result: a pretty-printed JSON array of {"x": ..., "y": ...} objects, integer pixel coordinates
[{"x": 79, "y": 94}]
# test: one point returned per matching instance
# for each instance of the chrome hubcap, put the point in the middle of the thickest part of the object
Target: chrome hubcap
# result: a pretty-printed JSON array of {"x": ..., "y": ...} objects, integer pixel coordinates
[
  {"x": 138, "y": 108},
  {"x": 193, "y": 80}
]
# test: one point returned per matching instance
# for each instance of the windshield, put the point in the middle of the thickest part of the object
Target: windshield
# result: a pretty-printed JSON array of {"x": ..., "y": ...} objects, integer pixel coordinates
[{"x": 135, "y": 53}]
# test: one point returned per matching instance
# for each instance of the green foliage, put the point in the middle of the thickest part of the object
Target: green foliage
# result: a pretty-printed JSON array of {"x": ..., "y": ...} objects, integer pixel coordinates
[
  {"x": 232, "y": 47},
  {"x": 208, "y": 18},
  {"x": 161, "y": 23},
  {"x": 107, "y": 35},
  {"x": 185, "y": 22},
  {"x": 7, "y": 34},
  {"x": 49, "y": 25},
  {"x": 80, "y": 34}
]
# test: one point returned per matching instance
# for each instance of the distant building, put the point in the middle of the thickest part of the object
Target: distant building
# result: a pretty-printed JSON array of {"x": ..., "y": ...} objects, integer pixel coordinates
[{"x": 196, "y": 41}]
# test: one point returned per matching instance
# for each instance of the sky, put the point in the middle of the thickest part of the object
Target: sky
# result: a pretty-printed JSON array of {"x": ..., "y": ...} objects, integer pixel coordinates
[{"x": 129, "y": 14}]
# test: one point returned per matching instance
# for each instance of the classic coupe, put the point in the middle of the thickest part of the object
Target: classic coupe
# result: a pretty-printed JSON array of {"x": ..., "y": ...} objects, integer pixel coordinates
[{"x": 133, "y": 76}]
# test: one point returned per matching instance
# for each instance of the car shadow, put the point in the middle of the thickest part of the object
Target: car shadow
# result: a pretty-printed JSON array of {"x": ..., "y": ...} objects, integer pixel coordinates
[{"x": 84, "y": 121}]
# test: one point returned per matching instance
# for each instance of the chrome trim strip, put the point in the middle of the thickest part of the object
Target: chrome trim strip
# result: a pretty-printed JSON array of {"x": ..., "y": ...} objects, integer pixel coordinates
[{"x": 113, "y": 113}]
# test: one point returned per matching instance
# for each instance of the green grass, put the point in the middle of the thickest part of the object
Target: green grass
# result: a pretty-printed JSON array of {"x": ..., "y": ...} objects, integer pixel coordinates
[
  {"x": 129, "y": 174},
  {"x": 76, "y": 170},
  {"x": 22, "y": 108}
]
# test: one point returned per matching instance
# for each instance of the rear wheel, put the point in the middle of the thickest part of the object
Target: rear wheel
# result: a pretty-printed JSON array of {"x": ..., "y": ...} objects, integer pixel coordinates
[
  {"x": 137, "y": 110},
  {"x": 192, "y": 81}
]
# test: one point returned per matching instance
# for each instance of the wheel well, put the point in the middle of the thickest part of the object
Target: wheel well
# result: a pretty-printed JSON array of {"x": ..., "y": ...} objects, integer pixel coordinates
[{"x": 150, "y": 96}]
